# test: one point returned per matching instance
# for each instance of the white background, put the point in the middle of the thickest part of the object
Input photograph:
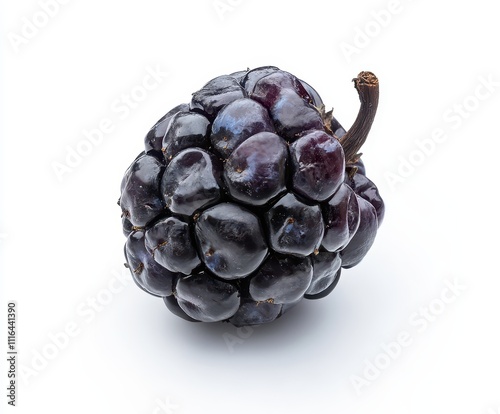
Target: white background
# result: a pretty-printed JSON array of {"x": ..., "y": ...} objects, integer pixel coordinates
[{"x": 61, "y": 241}]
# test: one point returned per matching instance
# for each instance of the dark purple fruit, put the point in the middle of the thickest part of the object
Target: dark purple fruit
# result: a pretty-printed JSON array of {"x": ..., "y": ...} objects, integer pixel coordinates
[
  {"x": 140, "y": 199},
  {"x": 173, "y": 306},
  {"x": 154, "y": 138},
  {"x": 326, "y": 271},
  {"x": 231, "y": 240},
  {"x": 358, "y": 166},
  {"x": 253, "y": 76},
  {"x": 282, "y": 279},
  {"x": 269, "y": 89},
  {"x": 341, "y": 214},
  {"x": 327, "y": 291},
  {"x": 215, "y": 94},
  {"x": 317, "y": 165},
  {"x": 250, "y": 199},
  {"x": 207, "y": 299},
  {"x": 236, "y": 122},
  {"x": 171, "y": 244},
  {"x": 255, "y": 171},
  {"x": 364, "y": 237},
  {"x": 186, "y": 130},
  {"x": 255, "y": 313},
  {"x": 313, "y": 94},
  {"x": 293, "y": 115},
  {"x": 294, "y": 227},
  {"x": 336, "y": 128},
  {"x": 191, "y": 181},
  {"x": 146, "y": 272},
  {"x": 126, "y": 226},
  {"x": 366, "y": 189}
]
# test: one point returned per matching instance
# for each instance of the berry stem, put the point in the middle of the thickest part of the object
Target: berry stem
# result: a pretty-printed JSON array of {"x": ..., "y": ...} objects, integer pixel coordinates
[{"x": 367, "y": 86}]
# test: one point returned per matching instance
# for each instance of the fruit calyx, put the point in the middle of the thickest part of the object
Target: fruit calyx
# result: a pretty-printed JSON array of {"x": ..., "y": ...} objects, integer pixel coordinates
[{"x": 366, "y": 85}]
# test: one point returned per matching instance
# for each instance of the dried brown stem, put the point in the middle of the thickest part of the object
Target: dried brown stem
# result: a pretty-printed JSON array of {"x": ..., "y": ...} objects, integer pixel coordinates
[{"x": 367, "y": 86}]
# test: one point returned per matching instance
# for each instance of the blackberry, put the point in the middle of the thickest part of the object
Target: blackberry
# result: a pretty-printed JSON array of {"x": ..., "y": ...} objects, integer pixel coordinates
[{"x": 250, "y": 198}]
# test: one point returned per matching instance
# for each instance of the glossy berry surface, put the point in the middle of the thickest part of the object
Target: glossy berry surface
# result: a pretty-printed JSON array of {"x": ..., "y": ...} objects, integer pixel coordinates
[
  {"x": 170, "y": 243},
  {"x": 282, "y": 279},
  {"x": 207, "y": 299},
  {"x": 185, "y": 130},
  {"x": 236, "y": 122},
  {"x": 255, "y": 172},
  {"x": 231, "y": 240},
  {"x": 318, "y": 165},
  {"x": 191, "y": 181},
  {"x": 294, "y": 227},
  {"x": 249, "y": 198}
]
